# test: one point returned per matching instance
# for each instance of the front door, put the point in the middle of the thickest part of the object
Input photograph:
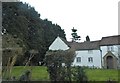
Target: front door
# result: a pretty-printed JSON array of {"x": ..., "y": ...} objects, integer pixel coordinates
[{"x": 109, "y": 61}]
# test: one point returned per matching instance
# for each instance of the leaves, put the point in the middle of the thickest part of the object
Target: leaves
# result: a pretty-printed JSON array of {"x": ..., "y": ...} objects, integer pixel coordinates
[
  {"x": 54, "y": 61},
  {"x": 75, "y": 37},
  {"x": 23, "y": 22}
]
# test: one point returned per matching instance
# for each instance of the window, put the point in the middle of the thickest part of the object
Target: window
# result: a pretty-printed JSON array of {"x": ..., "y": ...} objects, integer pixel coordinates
[
  {"x": 108, "y": 48},
  {"x": 78, "y": 59},
  {"x": 112, "y": 48},
  {"x": 90, "y": 51},
  {"x": 90, "y": 59}
]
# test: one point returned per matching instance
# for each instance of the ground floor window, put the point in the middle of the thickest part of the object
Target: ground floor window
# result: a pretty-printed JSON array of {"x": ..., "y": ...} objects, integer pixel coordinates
[
  {"x": 90, "y": 59},
  {"x": 78, "y": 59}
]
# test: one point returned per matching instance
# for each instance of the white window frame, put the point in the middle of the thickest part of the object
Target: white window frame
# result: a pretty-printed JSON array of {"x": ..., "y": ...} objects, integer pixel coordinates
[
  {"x": 78, "y": 59},
  {"x": 90, "y": 59}
]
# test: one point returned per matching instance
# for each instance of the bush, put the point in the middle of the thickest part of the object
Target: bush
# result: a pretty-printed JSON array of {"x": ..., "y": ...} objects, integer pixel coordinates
[
  {"x": 58, "y": 72},
  {"x": 79, "y": 74},
  {"x": 25, "y": 76}
]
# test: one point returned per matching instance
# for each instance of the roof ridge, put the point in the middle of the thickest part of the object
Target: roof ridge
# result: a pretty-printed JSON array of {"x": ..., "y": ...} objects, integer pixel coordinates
[{"x": 111, "y": 36}]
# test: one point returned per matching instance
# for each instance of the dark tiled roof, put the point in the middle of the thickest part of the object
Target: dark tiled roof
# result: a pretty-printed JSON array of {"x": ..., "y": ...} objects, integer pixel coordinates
[
  {"x": 94, "y": 45},
  {"x": 89, "y": 45},
  {"x": 73, "y": 45},
  {"x": 85, "y": 45},
  {"x": 110, "y": 40}
]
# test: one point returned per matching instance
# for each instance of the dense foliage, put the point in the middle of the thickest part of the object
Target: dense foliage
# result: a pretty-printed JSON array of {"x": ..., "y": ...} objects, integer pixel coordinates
[
  {"x": 60, "y": 69},
  {"x": 59, "y": 64},
  {"x": 23, "y": 22},
  {"x": 74, "y": 34}
]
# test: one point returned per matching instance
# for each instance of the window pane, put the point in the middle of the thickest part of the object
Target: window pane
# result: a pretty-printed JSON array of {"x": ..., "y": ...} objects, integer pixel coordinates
[
  {"x": 90, "y": 59},
  {"x": 78, "y": 59}
]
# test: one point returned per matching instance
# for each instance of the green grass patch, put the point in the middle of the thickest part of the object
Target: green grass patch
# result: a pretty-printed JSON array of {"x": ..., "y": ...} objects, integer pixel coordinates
[
  {"x": 40, "y": 73},
  {"x": 102, "y": 74}
]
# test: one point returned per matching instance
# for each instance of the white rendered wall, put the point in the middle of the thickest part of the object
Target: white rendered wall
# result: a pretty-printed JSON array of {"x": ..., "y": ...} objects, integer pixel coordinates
[
  {"x": 84, "y": 58},
  {"x": 58, "y": 44},
  {"x": 116, "y": 50}
]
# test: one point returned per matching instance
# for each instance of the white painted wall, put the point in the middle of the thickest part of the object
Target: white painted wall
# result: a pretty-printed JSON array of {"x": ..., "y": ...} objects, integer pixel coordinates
[
  {"x": 58, "y": 44},
  {"x": 116, "y": 50},
  {"x": 84, "y": 58}
]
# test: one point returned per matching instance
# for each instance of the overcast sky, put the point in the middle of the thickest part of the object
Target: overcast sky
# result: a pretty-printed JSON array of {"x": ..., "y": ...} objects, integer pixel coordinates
[{"x": 96, "y": 18}]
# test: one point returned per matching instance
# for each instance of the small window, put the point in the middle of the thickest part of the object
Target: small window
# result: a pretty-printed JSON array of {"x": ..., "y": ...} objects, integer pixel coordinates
[
  {"x": 90, "y": 59},
  {"x": 112, "y": 48},
  {"x": 108, "y": 48},
  {"x": 90, "y": 51},
  {"x": 78, "y": 59}
]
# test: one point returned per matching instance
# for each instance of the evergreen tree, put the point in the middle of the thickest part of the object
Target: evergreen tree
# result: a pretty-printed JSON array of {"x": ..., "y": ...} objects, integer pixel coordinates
[
  {"x": 74, "y": 35},
  {"x": 87, "y": 38},
  {"x": 23, "y": 22}
]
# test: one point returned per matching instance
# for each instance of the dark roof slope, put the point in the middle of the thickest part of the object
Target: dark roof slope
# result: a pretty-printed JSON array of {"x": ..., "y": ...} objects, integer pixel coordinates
[
  {"x": 110, "y": 40},
  {"x": 85, "y": 45},
  {"x": 88, "y": 45},
  {"x": 94, "y": 45}
]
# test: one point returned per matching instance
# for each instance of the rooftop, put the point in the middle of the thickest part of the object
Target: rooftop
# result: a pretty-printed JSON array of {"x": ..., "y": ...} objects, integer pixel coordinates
[{"x": 90, "y": 45}]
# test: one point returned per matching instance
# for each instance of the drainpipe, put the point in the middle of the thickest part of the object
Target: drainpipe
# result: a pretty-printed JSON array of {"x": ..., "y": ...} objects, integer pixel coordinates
[{"x": 101, "y": 57}]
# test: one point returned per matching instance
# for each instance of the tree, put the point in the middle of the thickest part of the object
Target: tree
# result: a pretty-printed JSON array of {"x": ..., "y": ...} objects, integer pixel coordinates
[
  {"x": 79, "y": 74},
  {"x": 11, "y": 51},
  {"x": 54, "y": 61},
  {"x": 87, "y": 38},
  {"x": 75, "y": 37},
  {"x": 59, "y": 67},
  {"x": 23, "y": 22}
]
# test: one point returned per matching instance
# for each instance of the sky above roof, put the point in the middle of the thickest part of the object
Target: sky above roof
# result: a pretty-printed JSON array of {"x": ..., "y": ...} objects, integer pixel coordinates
[{"x": 96, "y": 18}]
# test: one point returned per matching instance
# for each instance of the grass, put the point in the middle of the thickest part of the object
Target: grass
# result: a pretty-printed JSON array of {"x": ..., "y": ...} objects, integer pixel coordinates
[
  {"x": 102, "y": 74},
  {"x": 40, "y": 73}
]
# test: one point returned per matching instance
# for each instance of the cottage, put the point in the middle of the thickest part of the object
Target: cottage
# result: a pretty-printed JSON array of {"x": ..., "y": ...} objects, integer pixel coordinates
[
  {"x": 88, "y": 54},
  {"x": 110, "y": 50},
  {"x": 103, "y": 53}
]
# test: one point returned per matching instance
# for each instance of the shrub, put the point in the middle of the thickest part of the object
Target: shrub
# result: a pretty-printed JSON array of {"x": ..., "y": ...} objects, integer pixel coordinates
[{"x": 25, "y": 76}]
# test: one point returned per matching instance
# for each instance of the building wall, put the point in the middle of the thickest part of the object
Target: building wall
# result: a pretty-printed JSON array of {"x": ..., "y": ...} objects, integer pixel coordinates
[
  {"x": 99, "y": 57},
  {"x": 114, "y": 49},
  {"x": 85, "y": 54},
  {"x": 58, "y": 44}
]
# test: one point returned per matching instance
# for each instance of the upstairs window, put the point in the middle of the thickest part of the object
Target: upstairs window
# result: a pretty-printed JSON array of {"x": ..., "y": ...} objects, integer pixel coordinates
[
  {"x": 78, "y": 59},
  {"x": 108, "y": 48},
  {"x": 112, "y": 48},
  {"x": 90, "y": 59},
  {"x": 90, "y": 51}
]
